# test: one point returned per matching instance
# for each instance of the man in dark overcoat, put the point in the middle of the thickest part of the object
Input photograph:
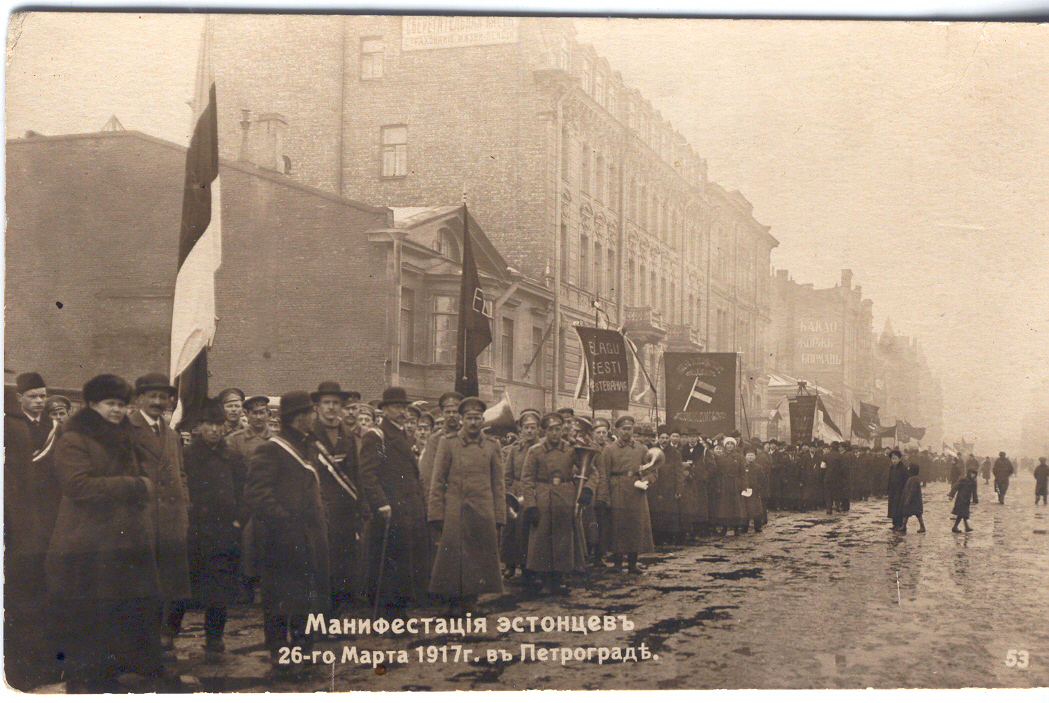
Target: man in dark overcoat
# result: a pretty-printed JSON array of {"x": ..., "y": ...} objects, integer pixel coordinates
[
  {"x": 834, "y": 480},
  {"x": 101, "y": 564},
  {"x": 160, "y": 450},
  {"x": 665, "y": 491},
  {"x": 283, "y": 492},
  {"x": 467, "y": 506},
  {"x": 389, "y": 474},
  {"x": 215, "y": 474},
  {"x": 894, "y": 488},
  {"x": 1002, "y": 470},
  {"x": 333, "y": 453}
]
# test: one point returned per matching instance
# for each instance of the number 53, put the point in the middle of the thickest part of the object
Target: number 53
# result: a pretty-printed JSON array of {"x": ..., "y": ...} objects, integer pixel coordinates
[{"x": 1018, "y": 658}]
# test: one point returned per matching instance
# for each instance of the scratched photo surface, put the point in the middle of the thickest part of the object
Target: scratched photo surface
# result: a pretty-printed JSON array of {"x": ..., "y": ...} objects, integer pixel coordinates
[{"x": 727, "y": 232}]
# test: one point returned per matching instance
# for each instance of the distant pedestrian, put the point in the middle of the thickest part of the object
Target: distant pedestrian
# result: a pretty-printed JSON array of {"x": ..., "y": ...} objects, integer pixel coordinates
[
  {"x": 1041, "y": 479},
  {"x": 894, "y": 488},
  {"x": 1002, "y": 470},
  {"x": 963, "y": 493},
  {"x": 912, "y": 498}
]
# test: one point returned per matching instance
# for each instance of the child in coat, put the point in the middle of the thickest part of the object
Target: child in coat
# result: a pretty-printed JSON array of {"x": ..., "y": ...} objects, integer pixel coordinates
[
  {"x": 912, "y": 499},
  {"x": 965, "y": 490}
]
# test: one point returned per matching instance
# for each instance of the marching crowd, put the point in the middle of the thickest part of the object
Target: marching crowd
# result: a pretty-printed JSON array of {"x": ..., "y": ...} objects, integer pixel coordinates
[{"x": 115, "y": 523}]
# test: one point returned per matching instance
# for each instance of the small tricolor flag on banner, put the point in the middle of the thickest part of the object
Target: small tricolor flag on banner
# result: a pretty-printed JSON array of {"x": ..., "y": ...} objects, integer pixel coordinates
[{"x": 703, "y": 392}]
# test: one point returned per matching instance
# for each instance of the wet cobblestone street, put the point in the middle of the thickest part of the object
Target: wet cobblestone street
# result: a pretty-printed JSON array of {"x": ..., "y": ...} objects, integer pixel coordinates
[{"x": 815, "y": 601}]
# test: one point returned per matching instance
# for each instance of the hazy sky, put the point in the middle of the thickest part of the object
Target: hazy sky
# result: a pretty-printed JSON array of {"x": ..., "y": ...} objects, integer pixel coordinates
[{"x": 916, "y": 154}]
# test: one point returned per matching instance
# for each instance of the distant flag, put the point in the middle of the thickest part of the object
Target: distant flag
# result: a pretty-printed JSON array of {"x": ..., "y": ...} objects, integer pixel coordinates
[
  {"x": 475, "y": 332},
  {"x": 199, "y": 248},
  {"x": 859, "y": 428},
  {"x": 703, "y": 392}
]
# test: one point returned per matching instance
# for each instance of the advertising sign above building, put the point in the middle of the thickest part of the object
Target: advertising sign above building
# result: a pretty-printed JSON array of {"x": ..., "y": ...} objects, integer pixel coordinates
[
  {"x": 818, "y": 343},
  {"x": 453, "y": 32}
]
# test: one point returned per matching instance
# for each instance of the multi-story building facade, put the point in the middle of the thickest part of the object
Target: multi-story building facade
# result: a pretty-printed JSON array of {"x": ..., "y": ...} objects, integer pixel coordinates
[
  {"x": 825, "y": 337},
  {"x": 583, "y": 187}
]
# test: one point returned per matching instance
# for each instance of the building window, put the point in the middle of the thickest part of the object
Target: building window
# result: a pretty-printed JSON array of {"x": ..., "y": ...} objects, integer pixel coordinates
[
  {"x": 584, "y": 168},
  {"x": 599, "y": 179},
  {"x": 613, "y": 190},
  {"x": 508, "y": 349},
  {"x": 564, "y": 252},
  {"x": 690, "y": 320},
  {"x": 371, "y": 58},
  {"x": 654, "y": 292},
  {"x": 642, "y": 294},
  {"x": 611, "y": 273},
  {"x": 394, "y": 151},
  {"x": 613, "y": 102},
  {"x": 537, "y": 364},
  {"x": 562, "y": 53},
  {"x": 631, "y": 288},
  {"x": 633, "y": 200},
  {"x": 673, "y": 303},
  {"x": 445, "y": 328},
  {"x": 584, "y": 262},
  {"x": 588, "y": 75},
  {"x": 598, "y": 269},
  {"x": 663, "y": 299},
  {"x": 599, "y": 88},
  {"x": 643, "y": 204},
  {"x": 407, "y": 324},
  {"x": 566, "y": 146}
]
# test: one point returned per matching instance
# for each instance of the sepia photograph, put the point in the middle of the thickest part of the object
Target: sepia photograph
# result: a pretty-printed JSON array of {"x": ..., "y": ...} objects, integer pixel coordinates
[{"x": 524, "y": 352}]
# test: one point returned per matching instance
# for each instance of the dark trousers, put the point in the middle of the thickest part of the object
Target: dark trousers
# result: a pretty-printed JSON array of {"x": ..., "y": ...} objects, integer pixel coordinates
[
  {"x": 214, "y": 620},
  {"x": 1001, "y": 485},
  {"x": 281, "y": 630}
]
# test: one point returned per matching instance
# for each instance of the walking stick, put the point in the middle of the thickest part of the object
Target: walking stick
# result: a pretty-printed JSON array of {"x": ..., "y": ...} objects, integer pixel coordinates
[{"x": 382, "y": 566}]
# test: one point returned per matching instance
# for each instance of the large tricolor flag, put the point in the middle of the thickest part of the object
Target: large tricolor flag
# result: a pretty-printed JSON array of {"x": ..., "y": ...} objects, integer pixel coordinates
[{"x": 199, "y": 247}]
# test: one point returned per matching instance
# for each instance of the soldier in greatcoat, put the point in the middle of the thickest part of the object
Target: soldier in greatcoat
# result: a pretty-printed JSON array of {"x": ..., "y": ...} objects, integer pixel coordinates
[
  {"x": 467, "y": 506},
  {"x": 554, "y": 543},
  {"x": 390, "y": 479},
  {"x": 631, "y": 524},
  {"x": 515, "y": 535},
  {"x": 160, "y": 451},
  {"x": 449, "y": 404},
  {"x": 334, "y": 455},
  {"x": 283, "y": 491}
]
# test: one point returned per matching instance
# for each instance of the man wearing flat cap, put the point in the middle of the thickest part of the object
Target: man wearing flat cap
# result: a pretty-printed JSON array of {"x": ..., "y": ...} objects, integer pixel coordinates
[
  {"x": 334, "y": 453},
  {"x": 160, "y": 450},
  {"x": 390, "y": 480},
  {"x": 467, "y": 506},
  {"x": 631, "y": 532},
  {"x": 283, "y": 490}
]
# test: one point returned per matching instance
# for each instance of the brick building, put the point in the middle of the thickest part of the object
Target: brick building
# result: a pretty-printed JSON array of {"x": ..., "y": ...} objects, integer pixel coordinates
[
  {"x": 825, "y": 337},
  {"x": 312, "y": 286},
  {"x": 583, "y": 187}
]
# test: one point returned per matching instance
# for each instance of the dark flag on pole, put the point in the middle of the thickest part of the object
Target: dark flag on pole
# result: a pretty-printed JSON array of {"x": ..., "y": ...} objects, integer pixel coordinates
[
  {"x": 605, "y": 368},
  {"x": 199, "y": 249},
  {"x": 859, "y": 429},
  {"x": 474, "y": 333},
  {"x": 701, "y": 392},
  {"x": 802, "y": 418}
]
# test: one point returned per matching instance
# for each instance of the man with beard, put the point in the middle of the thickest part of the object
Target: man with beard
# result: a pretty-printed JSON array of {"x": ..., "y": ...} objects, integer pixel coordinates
[
  {"x": 399, "y": 540},
  {"x": 467, "y": 506},
  {"x": 333, "y": 454},
  {"x": 631, "y": 524},
  {"x": 514, "y": 551},
  {"x": 159, "y": 449},
  {"x": 894, "y": 489}
]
